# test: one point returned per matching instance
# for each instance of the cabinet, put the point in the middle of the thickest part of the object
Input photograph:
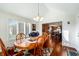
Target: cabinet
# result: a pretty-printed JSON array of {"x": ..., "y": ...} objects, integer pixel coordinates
[{"x": 45, "y": 28}]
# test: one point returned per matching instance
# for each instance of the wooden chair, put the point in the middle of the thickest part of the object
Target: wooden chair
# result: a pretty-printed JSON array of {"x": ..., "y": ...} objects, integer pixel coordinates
[
  {"x": 5, "y": 52},
  {"x": 20, "y": 36},
  {"x": 3, "y": 48},
  {"x": 46, "y": 37},
  {"x": 69, "y": 48},
  {"x": 39, "y": 49},
  {"x": 57, "y": 50}
]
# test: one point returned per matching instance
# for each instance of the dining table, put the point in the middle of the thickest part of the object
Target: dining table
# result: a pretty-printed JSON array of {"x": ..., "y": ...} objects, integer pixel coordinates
[{"x": 26, "y": 44}]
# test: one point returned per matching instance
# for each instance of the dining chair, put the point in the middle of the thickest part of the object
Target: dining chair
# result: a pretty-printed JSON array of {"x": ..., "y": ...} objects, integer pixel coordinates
[
  {"x": 46, "y": 37},
  {"x": 5, "y": 51},
  {"x": 39, "y": 49},
  {"x": 48, "y": 45},
  {"x": 57, "y": 50},
  {"x": 20, "y": 36},
  {"x": 3, "y": 48}
]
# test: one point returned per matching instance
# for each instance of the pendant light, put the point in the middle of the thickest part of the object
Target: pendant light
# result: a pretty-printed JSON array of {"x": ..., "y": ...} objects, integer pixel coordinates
[{"x": 38, "y": 17}]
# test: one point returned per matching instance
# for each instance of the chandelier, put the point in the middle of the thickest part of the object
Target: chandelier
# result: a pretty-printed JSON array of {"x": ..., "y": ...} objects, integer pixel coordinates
[{"x": 38, "y": 17}]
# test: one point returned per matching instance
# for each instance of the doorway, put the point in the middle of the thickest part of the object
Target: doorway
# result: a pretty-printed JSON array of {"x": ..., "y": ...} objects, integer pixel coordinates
[{"x": 55, "y": 29}]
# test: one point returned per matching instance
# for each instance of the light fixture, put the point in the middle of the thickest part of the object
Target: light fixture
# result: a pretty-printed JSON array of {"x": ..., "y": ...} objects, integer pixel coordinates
[{"x": 38, "y": 17}]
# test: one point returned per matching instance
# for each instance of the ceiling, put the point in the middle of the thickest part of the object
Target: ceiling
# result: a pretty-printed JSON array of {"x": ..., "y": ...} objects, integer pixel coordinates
[{"x": 29, "y": 10}]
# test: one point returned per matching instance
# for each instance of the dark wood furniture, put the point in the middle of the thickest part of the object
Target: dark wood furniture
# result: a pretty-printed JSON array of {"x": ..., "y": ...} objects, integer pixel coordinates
[
  {"x": 57, "y": 50},
  {"x": 69, "y": 48},
  {"x": 5, "y": 52},
  {"x": 45, "y": 28},
  {"x": 40, "y": 44},
  {"x": 39, "y": 50}
]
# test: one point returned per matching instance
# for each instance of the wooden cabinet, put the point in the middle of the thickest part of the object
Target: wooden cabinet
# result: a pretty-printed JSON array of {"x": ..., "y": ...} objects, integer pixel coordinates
[{"x": 45, "y": 28}]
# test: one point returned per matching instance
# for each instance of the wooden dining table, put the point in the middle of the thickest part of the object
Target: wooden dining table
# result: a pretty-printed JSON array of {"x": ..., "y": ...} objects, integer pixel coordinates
[{"x": 26, "y": 44}]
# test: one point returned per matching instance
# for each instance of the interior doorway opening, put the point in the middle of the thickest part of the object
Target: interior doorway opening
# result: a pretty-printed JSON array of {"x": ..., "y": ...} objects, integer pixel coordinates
[{"x": 55, "y": 29}]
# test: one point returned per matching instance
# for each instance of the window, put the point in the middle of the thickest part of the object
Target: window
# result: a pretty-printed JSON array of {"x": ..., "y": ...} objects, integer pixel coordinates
[{"x": 16, "y": 27}]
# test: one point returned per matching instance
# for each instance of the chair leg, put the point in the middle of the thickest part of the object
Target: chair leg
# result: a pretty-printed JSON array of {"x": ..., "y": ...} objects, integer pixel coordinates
[{"x": 35, "y": 52}]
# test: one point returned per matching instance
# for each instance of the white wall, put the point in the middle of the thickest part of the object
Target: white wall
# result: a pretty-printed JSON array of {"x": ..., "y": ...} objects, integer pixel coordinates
[
  {"x": 77, "y": 32},
  {"x": 71, "y": 28}
]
